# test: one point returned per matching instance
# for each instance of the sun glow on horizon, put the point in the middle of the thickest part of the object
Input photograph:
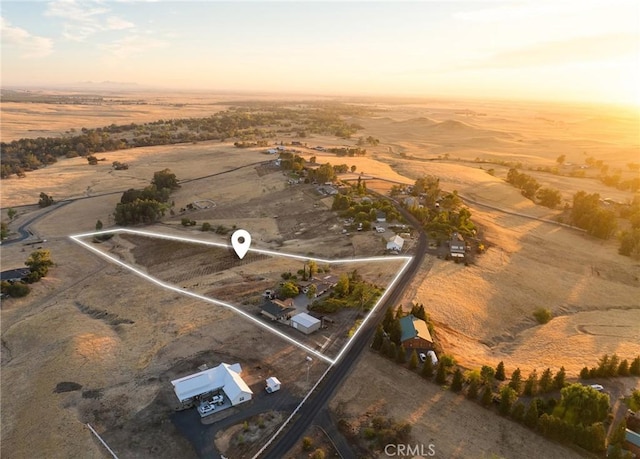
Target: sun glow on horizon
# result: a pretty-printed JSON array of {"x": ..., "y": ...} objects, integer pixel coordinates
[{"x": 566, "y": 51}]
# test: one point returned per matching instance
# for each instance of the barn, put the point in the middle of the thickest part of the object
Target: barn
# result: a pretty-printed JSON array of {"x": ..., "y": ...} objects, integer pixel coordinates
[{"x": 306, "y": 323}]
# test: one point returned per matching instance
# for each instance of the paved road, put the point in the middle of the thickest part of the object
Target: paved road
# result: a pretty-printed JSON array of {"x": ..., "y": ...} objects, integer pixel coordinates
[{"x": 338, "y": 373}]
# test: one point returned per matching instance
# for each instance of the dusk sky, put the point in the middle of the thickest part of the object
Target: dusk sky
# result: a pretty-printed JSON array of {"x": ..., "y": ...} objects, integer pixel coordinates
[{"x": 548, "y": 50}]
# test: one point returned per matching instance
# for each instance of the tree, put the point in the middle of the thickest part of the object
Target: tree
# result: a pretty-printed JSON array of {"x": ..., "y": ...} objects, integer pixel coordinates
[
  {"x": 549, "y": 197},
  {"x": 45, "y": 200},
  {"x": 342, "y": 289},
  {"x": 634, "y": 369},
  {"x": 311, "y": 291},
  {"x": 39, "y": 262},
  {"x": 388, "y": 314},
  {"x": 584, "y": 373},
  {"x": 413, "y": 361},
  {"x": 11, "y": 213},
  {"x": 325, "y": 173},
  {"x": 427, "y": 369},
  {"x": 353, "y": 168},
  {"x": 546, "y": 381},
  {"x": 517, "y": 412},
  {"x": 98, "y": 225},
  {"x": 378, "y": 338},
  {"x": 15, "y": 290},
  {"x": 456, "y": 382},
  {"x": 500, "y": 375},
  {"x": 487, "y": 374},
  {"x": 165, "y": 179},
  {"x": 618, "y": 435},
  {"x": 289, "y": 290},
  {"x": 487, "y": 396},
  {"x": 472, "y": 389},
  {"x": 206, "y": 226},
  {"x": 623, "y": 368},
  {"x": 401, "y": 355},
  {"x": 581, "y": 404},
  {"x": 516, "y": 380},
  {"x": 441, "y": 373},
  {"x": 395, "y": 333},
  {"x": 560, "y": 159},
  {"x": 531, "y": 416},
  {"x": 559, "y": 379},
  {"x": 507, "y": 397},
  {"x": 313, "y": 268},
  {"x": 531, "y": 384}
]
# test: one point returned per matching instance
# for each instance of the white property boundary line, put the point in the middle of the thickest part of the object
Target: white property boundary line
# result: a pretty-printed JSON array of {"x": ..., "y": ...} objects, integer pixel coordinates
[
  {"x": 102, "y": 441},
  {"x": 78, "y": 239}
]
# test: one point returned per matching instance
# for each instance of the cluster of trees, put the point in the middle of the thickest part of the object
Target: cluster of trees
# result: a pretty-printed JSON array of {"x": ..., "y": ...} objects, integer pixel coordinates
[
  {"x": 611, "y": 366},
  {"x": 385, "y": 431},
  {"x": 576, "y": 417},
  {"x": 614, "y": 179},
  {"x": 247, "y": 124},
  {"x": 588, "y": 214},
  {"x": 245, "y": 144},
  {"x": 531, "y": 189},
  {"x": 364, "y": 212},
  {"x": 117, "y": 165},
  {"x": 370, "y": 140},
  {"x": 38, "y": 263},
  {"x": 347, "y": 151},
  {"x": 45, "y": 200},
  {"x": 149, "y": 204},
  {"x": 388, "y": 334},
  {"x": 442, "y": 214},
  {"x": 351, "y": 291},
  {"x": 630, "y": 238}
]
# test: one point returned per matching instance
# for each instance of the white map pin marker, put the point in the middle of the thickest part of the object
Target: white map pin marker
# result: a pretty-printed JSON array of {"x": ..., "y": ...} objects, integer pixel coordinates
[{"x": 241, "y": 248}]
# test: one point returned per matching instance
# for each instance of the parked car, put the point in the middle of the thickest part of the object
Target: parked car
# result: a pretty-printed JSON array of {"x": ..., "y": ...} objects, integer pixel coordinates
[
  {"x": 217, "y": 399},
  {"x": 422, "y": 356},
  {"x": 597, "y": 387},
  {"x": 206, "y": 408}
]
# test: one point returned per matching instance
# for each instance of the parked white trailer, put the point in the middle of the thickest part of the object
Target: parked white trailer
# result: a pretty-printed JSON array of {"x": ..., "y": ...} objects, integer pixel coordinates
[{"x": 273, "y": 384}]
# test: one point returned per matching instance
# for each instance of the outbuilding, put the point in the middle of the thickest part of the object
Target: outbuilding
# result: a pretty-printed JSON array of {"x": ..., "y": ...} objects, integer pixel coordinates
[
  {"x": 395, "y": 243},
  {"x": 306, "y": 323},
  {"x": 273, "y": 384}
]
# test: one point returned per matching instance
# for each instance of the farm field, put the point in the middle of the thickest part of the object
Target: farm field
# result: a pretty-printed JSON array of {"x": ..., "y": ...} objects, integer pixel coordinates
[{"x": 97, "y": 325}]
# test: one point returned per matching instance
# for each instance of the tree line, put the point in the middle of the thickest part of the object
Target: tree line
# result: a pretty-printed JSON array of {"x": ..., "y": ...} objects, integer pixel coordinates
[
  {"x": 531, "y": 189},
  {"x": 247, "y": 124},
  {"x": 577, "y": 416}
]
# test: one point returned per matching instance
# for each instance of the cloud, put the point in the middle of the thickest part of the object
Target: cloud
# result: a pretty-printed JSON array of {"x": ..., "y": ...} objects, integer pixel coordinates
[
  {"x": 116, "y": 23},
  {"x": 85, "y": 19},
  {"x": 132, "y": 45},
  {"x": 31, "y": 46},
  {"x": 579, "y": 49}
]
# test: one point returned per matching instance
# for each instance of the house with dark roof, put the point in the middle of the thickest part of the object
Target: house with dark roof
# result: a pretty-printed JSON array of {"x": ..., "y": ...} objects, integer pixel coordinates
[
  {"x": 15, "y": 275},
  {"x": 280, "y": 310},
  {"x": 415, "y": 333}
]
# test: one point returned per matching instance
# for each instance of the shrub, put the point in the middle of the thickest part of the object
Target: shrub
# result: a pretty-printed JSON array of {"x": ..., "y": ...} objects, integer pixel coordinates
[
  {"x": 542, "y": 315},
  {"x": 15, "y": 290},
  {"x": 307, "y": 443}
]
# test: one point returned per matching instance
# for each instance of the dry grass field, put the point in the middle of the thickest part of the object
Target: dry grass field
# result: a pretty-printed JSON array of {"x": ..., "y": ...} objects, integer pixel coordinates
[{"x": 123, "y": 340}]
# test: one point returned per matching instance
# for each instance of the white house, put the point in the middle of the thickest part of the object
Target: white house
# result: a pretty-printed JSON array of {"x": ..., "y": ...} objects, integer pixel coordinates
[
  {"x": 395, "y": 243},
  {"x": 305, "y": 323},
  {"x": 224, "y": 377}
]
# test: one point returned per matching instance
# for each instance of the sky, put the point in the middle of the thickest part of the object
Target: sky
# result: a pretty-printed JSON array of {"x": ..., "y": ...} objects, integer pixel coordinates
[{"x": 586, "y": 51}]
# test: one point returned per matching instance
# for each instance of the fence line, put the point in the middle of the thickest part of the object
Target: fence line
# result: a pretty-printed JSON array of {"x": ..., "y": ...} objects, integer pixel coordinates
[{"x": 102, "y": 441}]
